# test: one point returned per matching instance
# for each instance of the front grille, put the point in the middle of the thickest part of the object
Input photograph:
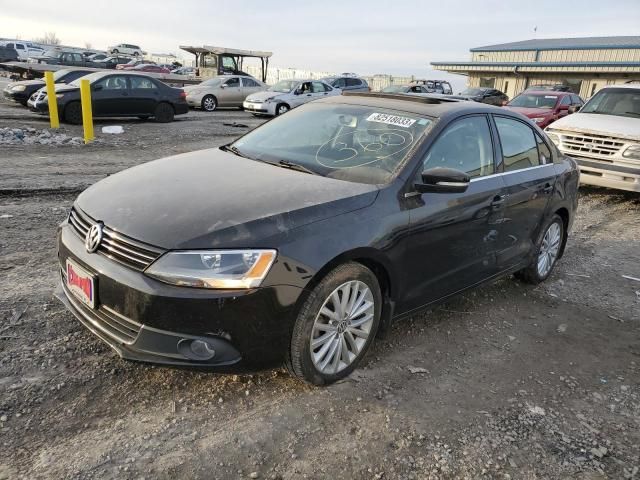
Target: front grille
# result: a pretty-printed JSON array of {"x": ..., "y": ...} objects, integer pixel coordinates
[
  {"x": 107, "y": 320},
  {"x": 114, "y": 245},
  {"x": 591, "y": 144}
]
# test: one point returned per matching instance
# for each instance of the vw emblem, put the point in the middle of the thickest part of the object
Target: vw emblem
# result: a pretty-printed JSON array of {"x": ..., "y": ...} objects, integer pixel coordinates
[{"x": 94, "y": 238}]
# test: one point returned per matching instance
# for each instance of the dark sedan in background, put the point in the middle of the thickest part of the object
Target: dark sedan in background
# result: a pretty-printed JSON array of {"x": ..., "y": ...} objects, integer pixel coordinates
[
  {"x": 21, "y": 91},
  {"x": 116, "y": 94},
  {"x": 490, "y": 96},
  {"x": 301, "y": 240}
]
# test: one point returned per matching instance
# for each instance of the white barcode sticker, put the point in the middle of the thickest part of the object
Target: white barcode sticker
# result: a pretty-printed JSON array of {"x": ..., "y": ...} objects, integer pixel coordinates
[{"x": 391, "y": 119}]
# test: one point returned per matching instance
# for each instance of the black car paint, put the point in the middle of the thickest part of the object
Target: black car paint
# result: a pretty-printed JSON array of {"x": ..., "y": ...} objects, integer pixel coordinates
[
  {"x": 490, "y": 96},
  {"x": 8, "y": 54},
  {"x": 122, "y": 103},
  {"x": 424, "y": 248},
  {"x": 31, "y": 86}
]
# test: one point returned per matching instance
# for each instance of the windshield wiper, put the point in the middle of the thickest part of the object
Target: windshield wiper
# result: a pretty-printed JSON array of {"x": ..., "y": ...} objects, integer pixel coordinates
[
  {"x": 234, "y": 150},
  {"x": 296, "y": 166}
]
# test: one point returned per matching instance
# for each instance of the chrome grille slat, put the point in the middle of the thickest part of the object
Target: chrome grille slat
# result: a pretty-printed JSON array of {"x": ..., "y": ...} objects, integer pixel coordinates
[
  {"x": 593, "y": 144},
  {"x": 115, "y": 245}
]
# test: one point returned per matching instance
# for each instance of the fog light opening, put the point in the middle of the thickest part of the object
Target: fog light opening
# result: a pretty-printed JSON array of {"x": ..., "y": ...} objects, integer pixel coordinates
[{"x": 196, "y": 349}]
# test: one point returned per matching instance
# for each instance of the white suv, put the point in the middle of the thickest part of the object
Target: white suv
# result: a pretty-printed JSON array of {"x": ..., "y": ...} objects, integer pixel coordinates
[
  {"x": 604, "y": 137},
  {"x": 126, "y": 49}
]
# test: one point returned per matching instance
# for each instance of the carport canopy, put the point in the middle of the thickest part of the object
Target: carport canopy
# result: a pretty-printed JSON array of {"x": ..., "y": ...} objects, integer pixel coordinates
[{"x": 233, "y": 52}]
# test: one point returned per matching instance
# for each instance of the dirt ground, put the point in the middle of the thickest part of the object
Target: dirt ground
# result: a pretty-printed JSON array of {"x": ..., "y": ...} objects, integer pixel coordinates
[{"x": 507, "y": 381}]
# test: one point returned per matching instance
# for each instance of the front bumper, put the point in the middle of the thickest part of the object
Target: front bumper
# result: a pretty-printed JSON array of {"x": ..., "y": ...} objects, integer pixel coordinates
[
  {"x": 146, "y": 320},
  {"x": 593, "y": 172},
  {"x": 19, "y": 97},
  {"x": 264, "y": 108}
]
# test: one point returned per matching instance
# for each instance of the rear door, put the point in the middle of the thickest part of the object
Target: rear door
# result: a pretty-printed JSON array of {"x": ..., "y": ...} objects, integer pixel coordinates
[
  {"x": 529, "y": 177},
  {"x": 454, "y": 237},
  {"x": 249, "y": 86},
  {"x": 320, "y": 90}
]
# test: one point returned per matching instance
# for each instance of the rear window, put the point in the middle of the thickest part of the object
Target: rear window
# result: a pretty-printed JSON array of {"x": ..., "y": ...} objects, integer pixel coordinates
[{"x": 348, "y": 142}]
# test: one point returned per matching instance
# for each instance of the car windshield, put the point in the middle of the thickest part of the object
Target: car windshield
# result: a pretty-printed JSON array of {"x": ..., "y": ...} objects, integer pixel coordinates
[
  {"x": 284, "y": 86},
  {"x": 624, "y": 102},
  {"x": 534, "y": 101},
  {"x": 472, "y": 91},
  {"x": 395, "y": 89},
  {"x": 59, "y": 74},
  {"x": 347, "y": 142},
  {"x": 212, "y": 82}
]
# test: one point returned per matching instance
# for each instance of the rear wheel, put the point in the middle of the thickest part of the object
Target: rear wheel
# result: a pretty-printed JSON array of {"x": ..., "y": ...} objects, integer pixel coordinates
[
  {"x": 282, "y": 108},
  {"x": 209, "y": 103},
  {"x": 336, "y": 325},
  {"x": 164, "y": 113},
  {"x": 547, "y": 252},
  {"x": 73, "y": 113}
]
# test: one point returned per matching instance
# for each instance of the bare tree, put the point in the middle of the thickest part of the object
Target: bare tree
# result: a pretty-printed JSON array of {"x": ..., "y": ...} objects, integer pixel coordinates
[
  {"x": 87, "y": 45},
  {"x": 49, "y": 38}
]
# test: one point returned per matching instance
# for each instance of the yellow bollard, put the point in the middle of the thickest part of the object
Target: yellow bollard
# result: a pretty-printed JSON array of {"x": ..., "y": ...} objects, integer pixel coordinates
[
  {"x": 54, "y": 120},
  {"x": 87, "y": 114}
]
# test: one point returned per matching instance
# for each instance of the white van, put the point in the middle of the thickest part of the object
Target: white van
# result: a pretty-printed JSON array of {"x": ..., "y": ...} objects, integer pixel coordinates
[
  {"x": 604, "y": 137},
  {"x": 24, "y": 49}
]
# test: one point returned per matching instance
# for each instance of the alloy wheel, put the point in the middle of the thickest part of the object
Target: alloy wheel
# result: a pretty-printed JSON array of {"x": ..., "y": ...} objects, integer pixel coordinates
[
  {"x": 209, "y": 104},
  {"x": 342, "y": 327},
  {"x": 282, "y": 109},
  {"x": 549, "y": 249}
]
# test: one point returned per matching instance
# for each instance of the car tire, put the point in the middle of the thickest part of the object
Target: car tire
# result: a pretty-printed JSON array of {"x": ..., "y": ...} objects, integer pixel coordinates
[
  {"x": 347, "y": 336},
  {"x": 282, "y": 108},
  {"x": 164, "y": 113},
  {"x": 73, "y": 113},
  {"x": 548, "y": 250},
  {"x": 209, "y": 103}
]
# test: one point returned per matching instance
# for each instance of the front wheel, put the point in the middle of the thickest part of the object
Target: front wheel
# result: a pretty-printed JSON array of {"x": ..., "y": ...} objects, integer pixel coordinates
[
  {"x": 73, "y": 113},
  {"x": 209, "y": 103},
  {"x": 548, "y": 250},
  {"x": 164, "y": 113},
  {"x": 282, "y": 108},
  {"x": 336, "y": 325}
]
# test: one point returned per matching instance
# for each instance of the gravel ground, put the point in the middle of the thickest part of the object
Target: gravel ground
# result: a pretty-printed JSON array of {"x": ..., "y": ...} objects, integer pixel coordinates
[{"x": 507, "y": 381}]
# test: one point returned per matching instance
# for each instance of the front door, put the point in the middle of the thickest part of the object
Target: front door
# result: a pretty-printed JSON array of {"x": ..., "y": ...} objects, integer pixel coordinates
[
  {"x": 110, "y": 95},
  {"x": 302, "y": 94},
  {"x": 231, "y": 93},
  {"x": 529, "y": 176},
  {"x": 453, "y": 237}
]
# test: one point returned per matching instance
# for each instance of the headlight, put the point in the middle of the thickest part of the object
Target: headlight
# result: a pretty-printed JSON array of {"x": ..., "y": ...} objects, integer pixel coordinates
[
  {"x": 18, "y": 88},
  {"x": 213, "y": 268},
  {"x": 554, "y": 138},
  {"x": 539, "y": 119},
  {"x": 632, "y": 152},
  {"x": 270, "y": 99}
]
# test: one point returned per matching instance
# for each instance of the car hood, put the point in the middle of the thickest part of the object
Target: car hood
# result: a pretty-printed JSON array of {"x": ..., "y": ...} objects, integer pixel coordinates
[
  {"x": 65, "y": 87},
  {"x": 611, "y": 125},
  {"x": 530, "y": 112},
  {"x": 26, "y": 83},
  {"x": 262, "y": 96},
  {"x": 214, "y": 199}
]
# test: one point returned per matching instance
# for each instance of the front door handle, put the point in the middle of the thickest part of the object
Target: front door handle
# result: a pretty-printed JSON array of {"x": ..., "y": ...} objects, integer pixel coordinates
[
  {"x": 548, "y": 188},
  {"x": 498, "y": 201}
]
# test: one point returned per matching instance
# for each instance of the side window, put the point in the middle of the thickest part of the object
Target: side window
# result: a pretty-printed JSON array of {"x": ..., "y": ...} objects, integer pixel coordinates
[
  {"x": 141, "y": 82},
  {"x": 233, "y": 82},
  {"x": 10, "y": 45},
  {"x": 353, "y": 82},
  {"x": 576, "y": 100},
  {"x": 247, "y": 82},
  {"x": 19, "y": 46},
  {"x": 74, "y": 76},
  {"x": 464, "y": 145},
  {"x": 113, "y": 83},
  {"x": 340, "y": 83},
  {"x": 77, "y": 57},
  {"x": 519, "y": 148},
  {"x": 566, "y": 100},
  {"x": 318, "y": 87}
]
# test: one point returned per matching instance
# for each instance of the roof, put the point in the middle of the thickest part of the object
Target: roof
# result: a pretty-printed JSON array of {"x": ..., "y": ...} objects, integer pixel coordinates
[
  {"x": 430, "y": 106},
  {"x": 224, "y": 50},
  {"x": 582, "y": 43},
  {"x": 539, "y": 64}
]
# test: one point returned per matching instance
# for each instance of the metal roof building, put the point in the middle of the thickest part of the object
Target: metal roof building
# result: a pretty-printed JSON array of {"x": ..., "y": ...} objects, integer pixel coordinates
[{"x": 584, "y": 64}]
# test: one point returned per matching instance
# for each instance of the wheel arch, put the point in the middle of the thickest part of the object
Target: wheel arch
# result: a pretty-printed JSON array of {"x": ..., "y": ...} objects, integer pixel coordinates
[{"x": 563, "y": 213}]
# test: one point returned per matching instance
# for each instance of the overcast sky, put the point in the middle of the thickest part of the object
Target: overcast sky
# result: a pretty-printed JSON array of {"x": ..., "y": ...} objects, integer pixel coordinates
[{"x": 365, "y": 37}]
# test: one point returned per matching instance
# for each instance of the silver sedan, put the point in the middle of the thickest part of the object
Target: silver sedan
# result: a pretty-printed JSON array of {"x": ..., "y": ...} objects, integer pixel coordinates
[{"x": 223, "y": 91}]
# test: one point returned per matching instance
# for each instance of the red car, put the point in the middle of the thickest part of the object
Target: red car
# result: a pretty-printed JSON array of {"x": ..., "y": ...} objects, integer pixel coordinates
[
  {"x": 150, "y": 68},
  {"x": 545, "y": 107}
]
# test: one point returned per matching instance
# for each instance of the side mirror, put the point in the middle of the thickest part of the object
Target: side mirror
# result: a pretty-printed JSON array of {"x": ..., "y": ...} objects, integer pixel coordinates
[
  {"x": 574, "y": 109},
  {"x": 223, "y": 86},
  {"x": 443, "y": 180}
]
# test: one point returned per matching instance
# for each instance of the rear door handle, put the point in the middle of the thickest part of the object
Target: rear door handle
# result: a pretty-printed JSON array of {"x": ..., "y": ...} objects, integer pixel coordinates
[
  {"x": 498, "y": 201},
  {"x": 548, "y": 188}
]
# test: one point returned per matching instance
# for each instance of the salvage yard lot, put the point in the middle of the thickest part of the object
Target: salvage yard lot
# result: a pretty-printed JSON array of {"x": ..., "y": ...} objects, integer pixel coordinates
[{"x": 507, "y": 381}]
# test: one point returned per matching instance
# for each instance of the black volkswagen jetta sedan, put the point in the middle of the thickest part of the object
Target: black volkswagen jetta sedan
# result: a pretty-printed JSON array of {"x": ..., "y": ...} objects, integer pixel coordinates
[
  {"x": 306, "y": 237},
  {"x": 21, "y": 91}
]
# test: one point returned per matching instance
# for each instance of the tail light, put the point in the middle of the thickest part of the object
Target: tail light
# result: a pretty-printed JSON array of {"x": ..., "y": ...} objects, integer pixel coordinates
[{"x": 183, "y": 94}]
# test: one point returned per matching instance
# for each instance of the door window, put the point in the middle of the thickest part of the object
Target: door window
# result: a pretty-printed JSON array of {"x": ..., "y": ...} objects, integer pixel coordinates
[
  {"x": 519, "y": 149},
  {"x": 249, "y": 82},
  {"x": 544, "y": 152},
  {"x": 19, "y": 46},
  {"x": 116, "y": 82},
  {"x": 465, "y": 145},
  {"x": 233, "y": 82},
  {"x": 340, "y": 83},
  {"x": 353, "y": 82},
  {"x": 142, "y": 82},
  {"x": 566, "y": 100},
  {"x": 318, "y": 87}
]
